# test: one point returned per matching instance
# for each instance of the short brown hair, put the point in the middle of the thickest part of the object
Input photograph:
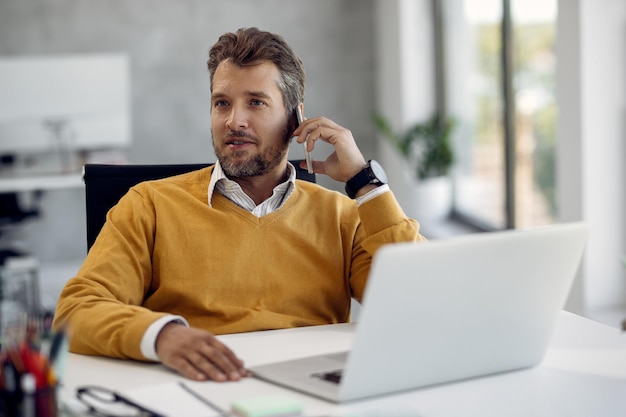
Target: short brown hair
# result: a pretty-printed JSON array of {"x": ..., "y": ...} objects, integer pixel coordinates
[{"x": 251, "y": 46}]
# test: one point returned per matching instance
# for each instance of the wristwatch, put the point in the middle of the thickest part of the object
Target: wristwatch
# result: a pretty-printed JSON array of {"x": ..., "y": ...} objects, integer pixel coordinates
[{"x": 373, "y": 173}]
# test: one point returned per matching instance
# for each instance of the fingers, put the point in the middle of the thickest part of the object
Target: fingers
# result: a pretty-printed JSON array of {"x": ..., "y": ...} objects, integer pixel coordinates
[
  {"x": 320, "y": 128},
  {"x": 346, "y": 161},
  {"x": 198, "y": 354},
  {"x": 212, "y": 359},
  {"x": 309, "y": 135}
]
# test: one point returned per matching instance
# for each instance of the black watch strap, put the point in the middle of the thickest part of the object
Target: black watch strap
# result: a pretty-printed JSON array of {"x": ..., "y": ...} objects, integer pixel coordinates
[{"x": 366, "y": 176}]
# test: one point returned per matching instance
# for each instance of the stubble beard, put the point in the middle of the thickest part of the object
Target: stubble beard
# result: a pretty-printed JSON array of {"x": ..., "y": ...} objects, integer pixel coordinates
[{"x": 256, "y": 165}]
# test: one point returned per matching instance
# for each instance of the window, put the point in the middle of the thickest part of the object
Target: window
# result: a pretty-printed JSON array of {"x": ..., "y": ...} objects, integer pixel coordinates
[{"x": 498, "y": 78}]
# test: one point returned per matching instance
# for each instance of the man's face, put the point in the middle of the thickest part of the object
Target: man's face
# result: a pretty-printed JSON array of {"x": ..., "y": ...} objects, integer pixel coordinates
[{"x": 248, "y": 119}]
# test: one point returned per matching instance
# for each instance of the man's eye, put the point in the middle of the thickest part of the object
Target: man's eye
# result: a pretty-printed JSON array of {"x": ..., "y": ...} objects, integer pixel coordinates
[
  {"x": 220, "y": 103},
  {"x": 256, "y": 102}
]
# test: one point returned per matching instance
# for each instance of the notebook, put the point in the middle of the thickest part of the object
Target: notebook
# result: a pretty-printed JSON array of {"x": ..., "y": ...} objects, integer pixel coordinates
[{"x": 445, "y": 311}]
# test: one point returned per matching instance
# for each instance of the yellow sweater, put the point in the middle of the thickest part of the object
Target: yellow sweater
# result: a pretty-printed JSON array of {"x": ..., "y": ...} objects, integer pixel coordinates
[{"x": 163, "y": 250}]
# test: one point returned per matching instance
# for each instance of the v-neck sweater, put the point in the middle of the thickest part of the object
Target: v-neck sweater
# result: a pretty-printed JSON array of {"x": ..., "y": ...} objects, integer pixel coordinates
[{"x": 164, "y": 250}]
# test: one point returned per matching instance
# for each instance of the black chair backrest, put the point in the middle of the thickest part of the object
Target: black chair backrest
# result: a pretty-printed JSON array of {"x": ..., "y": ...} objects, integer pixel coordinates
[{"x": 106, "y": 184}]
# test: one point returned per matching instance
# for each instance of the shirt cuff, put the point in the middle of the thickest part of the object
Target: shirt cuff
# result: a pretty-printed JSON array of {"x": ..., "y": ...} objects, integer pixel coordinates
[
  {"x": 148, "y": 341},
  {"x": 371, "y": 194}
]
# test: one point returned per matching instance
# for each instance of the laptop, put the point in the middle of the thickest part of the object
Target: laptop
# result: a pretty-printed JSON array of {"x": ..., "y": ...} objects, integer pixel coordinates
[{"x": 445, "y": 311}]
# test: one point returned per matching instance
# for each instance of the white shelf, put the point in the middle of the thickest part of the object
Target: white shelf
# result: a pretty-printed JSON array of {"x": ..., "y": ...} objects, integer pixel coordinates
[{"x": 40, "y": 182}]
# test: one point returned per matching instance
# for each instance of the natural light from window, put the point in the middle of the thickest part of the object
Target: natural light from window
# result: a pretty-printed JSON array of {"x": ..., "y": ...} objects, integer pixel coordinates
[{"x": 474, "y": 85}]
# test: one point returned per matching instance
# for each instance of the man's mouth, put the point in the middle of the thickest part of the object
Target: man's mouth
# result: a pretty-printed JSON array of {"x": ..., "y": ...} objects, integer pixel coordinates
[
  {"x": 239, "y": 139},
  {"x": 238, "y": 142}
]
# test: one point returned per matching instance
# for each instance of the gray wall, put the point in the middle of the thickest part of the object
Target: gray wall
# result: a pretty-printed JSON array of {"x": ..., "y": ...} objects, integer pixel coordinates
[{"x": 167, "y": 42}]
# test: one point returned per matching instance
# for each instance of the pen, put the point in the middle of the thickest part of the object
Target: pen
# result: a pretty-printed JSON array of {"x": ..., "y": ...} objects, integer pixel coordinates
[
  {"x": 205, "y": 401},
  {"x": 57, "y": 354},
  {"x": 58, "y": 340}
]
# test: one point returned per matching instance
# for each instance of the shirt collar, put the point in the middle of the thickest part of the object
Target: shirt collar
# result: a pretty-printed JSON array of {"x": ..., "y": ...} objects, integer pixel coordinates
[{"x": 219, "y": 175}]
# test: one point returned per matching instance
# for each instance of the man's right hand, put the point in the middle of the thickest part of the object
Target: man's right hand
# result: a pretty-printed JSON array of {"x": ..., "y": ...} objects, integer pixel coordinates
[{"x": 197, "y": 354}]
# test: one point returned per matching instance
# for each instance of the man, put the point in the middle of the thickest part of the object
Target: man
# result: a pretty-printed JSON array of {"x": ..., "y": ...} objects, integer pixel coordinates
[{"x": 241, "y": 246}]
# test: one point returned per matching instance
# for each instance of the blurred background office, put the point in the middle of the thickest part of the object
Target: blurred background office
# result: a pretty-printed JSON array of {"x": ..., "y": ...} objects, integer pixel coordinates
[{"x": 533, "y": 93}]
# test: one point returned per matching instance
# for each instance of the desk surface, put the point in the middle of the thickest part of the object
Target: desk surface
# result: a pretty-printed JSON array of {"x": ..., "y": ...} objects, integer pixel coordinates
[{"x": 583, "y": 374}]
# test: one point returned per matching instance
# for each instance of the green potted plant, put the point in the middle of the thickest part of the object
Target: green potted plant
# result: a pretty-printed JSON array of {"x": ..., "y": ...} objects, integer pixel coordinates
[
  {"x": 425, "y": 145},
  {"x": 427, "y": 150}
]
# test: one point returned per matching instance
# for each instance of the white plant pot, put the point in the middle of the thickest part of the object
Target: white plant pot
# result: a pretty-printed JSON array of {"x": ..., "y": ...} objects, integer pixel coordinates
[
  {"x": 428, "y": 200},
  {"x": 432, "y": 199}
]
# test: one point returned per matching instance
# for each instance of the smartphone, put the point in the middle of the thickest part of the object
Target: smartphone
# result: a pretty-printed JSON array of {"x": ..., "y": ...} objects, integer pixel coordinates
[{"x": 307, "y": 154}]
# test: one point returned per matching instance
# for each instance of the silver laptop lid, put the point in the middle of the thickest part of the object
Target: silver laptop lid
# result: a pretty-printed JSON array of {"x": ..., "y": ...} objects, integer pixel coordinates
[{"x": 460, "y": 308}]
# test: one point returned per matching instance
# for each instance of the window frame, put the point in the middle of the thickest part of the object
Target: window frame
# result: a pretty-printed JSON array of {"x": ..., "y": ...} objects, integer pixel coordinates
[{"x": 508, "y": 97}]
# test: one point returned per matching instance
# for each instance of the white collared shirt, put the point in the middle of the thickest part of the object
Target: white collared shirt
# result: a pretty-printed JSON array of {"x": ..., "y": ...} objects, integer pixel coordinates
[{"x": 233, "y": 191}]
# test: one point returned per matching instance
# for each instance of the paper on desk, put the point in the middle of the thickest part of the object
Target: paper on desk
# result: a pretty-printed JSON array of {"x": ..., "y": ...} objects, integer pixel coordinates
[{"x": 171, "y": 400}]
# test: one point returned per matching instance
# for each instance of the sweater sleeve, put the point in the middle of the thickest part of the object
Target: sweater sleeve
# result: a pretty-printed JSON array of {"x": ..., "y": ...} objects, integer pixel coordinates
[
  {"x": 382, "y": 221},
  {"x": 102, "y": 304}
]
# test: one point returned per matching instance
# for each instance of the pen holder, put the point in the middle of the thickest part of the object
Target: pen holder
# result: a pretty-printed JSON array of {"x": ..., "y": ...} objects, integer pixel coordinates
[{"x": 41, "y": 403}]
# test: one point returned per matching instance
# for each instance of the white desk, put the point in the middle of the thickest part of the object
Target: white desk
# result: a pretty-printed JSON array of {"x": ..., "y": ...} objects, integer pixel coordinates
[{"x": 583, "y": 374}]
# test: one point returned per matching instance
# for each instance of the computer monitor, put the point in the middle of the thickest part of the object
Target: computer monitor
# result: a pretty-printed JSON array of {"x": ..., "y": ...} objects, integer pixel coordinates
[{"x": 81, "y": 102}]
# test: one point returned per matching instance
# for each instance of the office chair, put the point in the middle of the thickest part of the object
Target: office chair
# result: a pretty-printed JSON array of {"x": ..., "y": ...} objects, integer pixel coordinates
[{"x": 106, "y": 184}]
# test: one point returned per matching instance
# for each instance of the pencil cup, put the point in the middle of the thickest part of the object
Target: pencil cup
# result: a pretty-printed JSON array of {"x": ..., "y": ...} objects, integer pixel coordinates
[
  {"x": 31, "y": 360},
  {"x": 41, "y": 403}
]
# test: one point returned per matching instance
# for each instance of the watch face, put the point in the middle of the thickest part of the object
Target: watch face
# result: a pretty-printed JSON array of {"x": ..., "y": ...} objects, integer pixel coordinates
[{"x": 378, "y": 171}]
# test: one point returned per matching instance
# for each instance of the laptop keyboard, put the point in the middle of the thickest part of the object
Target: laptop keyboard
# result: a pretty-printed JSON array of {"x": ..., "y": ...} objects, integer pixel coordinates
[{"x": 332, "y": 376}]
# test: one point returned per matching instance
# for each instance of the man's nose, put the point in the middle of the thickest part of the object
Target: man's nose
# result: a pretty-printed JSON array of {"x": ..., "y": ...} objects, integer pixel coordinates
[{"x": 237, "y": 119}]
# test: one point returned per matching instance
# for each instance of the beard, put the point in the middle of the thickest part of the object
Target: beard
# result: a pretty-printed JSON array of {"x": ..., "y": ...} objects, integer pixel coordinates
[{"x": 255, "y": 165}]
